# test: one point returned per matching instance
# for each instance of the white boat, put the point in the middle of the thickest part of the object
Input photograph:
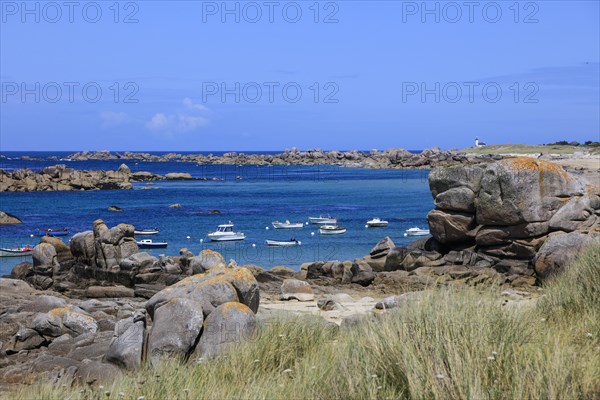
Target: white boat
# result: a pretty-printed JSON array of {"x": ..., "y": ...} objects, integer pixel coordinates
[
  {"x": 287, "y": 225},
  {"x": 225, "y": 233},
  {"x": 16, "y": 252},
  {"x": 377, "y": 223},
  {"x": 331, "y": 230},
  {"x": 322, "y": 220},
  {"x": 283, "y": 243},
  {"x": 149, "y": 244},
  {"x": 416, "y": 231},
  {"x": 146, "y": 231}
]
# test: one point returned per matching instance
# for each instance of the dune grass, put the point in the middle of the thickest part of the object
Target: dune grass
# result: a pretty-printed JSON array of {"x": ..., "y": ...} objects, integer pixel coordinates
[{"x": 452, "y": 344}]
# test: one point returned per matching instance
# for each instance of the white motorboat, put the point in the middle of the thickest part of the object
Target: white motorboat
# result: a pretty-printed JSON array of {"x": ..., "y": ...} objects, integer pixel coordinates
[
  {"x": 225, "y": 233},
  {"x": 16, "y": 252},
  {"x": 416, "y": 231},
  {"x": 331, "y": 230},
  {"x": 140, "y": 232},
  {"x": 287, "y": 225},
  {"x": 283, "y": 243},
  {"x": 377, "y": 223},
  {"x": 321, "y": 220},
  {"x": 150, "y": 244}
]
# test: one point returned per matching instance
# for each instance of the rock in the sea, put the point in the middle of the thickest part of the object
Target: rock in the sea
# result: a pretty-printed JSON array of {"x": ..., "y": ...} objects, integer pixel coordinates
[
  {"x": 178, "y": 176},
  {"x": 226, "y": 326},
  {"x": 296, "y": 289},
  {"x": 8, "y": 219},
  {"x": 175, "y": 329},
  {"x": 556, "y": 253},
  {"x": 176, "y": 205},
  {"x": 115, "y": 209}
]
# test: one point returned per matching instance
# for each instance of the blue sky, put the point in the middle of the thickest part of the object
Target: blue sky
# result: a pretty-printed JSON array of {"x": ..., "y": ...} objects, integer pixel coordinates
[{"x": 186, "y": 75}]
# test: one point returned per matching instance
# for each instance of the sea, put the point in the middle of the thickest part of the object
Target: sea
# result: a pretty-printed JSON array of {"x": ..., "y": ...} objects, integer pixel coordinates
[{"x": 249, "y": 196}]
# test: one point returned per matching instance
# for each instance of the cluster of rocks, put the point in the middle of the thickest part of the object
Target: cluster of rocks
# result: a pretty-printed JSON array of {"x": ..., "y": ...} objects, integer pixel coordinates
[
  {"x": 61, "y": 177},
  {"x": 390, "y": 158},
  {"x": 44, "y": 334},
  {"x": 516, "y": 221}
]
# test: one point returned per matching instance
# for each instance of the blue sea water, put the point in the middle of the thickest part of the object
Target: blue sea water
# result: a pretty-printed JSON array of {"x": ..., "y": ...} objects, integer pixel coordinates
[{"x": 249, "y": 196}]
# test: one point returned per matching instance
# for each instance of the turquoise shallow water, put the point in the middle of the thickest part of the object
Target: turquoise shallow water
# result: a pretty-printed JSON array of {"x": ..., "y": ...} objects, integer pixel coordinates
[{"x": 264, "y": 194}]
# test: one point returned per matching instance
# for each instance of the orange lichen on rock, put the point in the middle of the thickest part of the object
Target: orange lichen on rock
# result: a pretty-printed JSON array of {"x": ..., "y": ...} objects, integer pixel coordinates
[
  {"x": 532, "y": 164},
  {"x": 59, "y": 312},
  {"x": 227, "y": 308}
]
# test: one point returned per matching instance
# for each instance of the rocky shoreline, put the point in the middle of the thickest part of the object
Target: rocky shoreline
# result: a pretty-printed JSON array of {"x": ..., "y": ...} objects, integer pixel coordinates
[
  {"x": 63, "y": 178},
  {"x": 390, "y": 158},
  {"x": 89, "y": 311}
]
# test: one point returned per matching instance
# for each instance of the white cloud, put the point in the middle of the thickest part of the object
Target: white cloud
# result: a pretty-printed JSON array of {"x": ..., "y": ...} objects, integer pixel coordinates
[
  {"x": 183, "y": 121},
  {"x": 112, "y": 118},
  {"x": 190, "y": 105},
  {"x": 175, "y": 123},
  {"x": 158, "y": 122}
]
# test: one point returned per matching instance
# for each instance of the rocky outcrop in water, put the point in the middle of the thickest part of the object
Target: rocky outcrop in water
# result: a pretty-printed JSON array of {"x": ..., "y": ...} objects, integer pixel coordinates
[
  {"x": 61, "y": 177},
  {"x": 8, "y": 219},
  {"x": 390, "y": 158}
]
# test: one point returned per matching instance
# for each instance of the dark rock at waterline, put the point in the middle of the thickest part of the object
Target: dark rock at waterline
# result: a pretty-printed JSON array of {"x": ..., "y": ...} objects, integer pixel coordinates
[{"x": 115, "y": 209}]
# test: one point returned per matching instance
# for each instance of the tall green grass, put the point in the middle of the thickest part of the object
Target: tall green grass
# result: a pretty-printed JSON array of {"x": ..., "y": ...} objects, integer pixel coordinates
[{"x": 452, "y": 344}]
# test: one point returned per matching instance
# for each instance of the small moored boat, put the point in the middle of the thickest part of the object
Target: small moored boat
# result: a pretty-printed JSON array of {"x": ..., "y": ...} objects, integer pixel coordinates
[
  {"x": 416, "y": 231},
  {"x": 322, "y": 220},
  {"x": 54, "y": 232},
  {"x": 377, "y": 223},
  {"x": 17, "y": 251},
  {"x": 149, "y": 244},
  {"x": 146, "y": 231},
  {"x": 287, "y": 225},
  {"x": 331, "y": 230},
  {"x": 283, "y": 243},
  {"x": 225, "y": 233}
]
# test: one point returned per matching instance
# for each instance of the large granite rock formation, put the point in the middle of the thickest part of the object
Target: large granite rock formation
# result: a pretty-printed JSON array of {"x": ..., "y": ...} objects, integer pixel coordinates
[
  {"x": 502, "y": 213},
  {"x": 103, "y": 247}
]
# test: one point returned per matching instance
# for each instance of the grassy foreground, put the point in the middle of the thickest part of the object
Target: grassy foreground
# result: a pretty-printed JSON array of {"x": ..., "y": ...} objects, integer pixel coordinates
[{"x": 453, "y": 344}]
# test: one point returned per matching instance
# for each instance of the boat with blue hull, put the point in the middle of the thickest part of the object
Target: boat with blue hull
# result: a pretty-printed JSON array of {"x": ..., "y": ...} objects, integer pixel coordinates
[{"x": 54, "y": 232}]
